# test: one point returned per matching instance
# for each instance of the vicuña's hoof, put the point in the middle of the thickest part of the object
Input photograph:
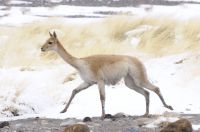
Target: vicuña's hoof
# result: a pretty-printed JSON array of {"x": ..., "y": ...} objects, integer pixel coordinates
[
  {"x": 102, "y": 117},
  {"x": 146, "y": 115},
  {"x": 63, "y": 111},
  {"x": 169, "y": 107}
]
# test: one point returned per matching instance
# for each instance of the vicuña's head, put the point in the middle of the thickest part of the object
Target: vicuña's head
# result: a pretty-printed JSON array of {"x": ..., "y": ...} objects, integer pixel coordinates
[{"x": 51, "y": 43}]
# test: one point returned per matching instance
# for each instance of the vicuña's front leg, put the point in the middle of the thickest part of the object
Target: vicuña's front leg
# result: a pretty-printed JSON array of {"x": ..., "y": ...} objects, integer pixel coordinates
[
  {"x": 101, "y": 87},
  {"x": 75, "y": 91}
]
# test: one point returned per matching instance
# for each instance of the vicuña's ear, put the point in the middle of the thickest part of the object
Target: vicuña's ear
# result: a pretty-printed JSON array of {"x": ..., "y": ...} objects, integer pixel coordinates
[
  {"x": 54, "y": 34},
  {"x": 50, "y": 34}
]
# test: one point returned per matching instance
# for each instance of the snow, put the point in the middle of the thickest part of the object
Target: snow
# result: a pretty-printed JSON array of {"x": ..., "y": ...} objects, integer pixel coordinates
[
  {"x": 132, "y": 35},
  {"x": 196, "y": 127},
  {"x": 44, "y": 90},
  {"x": 21, "y": 15},
  {"x": 180, "y": 78},
  {"x": 15, "y": 16},
  {"x": 41, "y": 91},
  {"x": 161, "y": 119},
  {"x": 16, "y": 2}
]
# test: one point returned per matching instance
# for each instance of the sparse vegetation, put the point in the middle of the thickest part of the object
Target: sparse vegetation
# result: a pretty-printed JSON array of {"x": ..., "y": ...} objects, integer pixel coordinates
[{"x": 21, "y": 45}]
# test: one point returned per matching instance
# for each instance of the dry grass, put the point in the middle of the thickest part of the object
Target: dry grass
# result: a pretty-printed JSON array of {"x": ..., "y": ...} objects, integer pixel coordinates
[
  {"x": 22, "y": 46},
  {"x": 171, "y": 37}
]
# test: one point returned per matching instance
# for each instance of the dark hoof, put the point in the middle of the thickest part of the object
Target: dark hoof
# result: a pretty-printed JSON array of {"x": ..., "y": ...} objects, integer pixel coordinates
[
  {"x": 169, "y": 107},
  {"x": 63, "y": 111},
  {"x": 87, "y": 119},
  {"x": 146, "y": 116},
  {"x": 102, "y": 118}
]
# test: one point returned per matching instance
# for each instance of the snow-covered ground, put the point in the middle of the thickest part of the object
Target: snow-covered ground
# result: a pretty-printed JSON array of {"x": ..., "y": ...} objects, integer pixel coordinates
[
  {"x": 21, "y": 15},
  {"x": 42, "y": 91}
]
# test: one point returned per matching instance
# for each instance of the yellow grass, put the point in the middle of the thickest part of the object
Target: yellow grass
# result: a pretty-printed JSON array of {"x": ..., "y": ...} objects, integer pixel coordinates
[{"x": 22, "y": 45}]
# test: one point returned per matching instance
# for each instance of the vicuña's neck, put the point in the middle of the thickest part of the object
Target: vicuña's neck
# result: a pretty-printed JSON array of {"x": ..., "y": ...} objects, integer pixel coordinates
[{"x": 66, "y": 56}]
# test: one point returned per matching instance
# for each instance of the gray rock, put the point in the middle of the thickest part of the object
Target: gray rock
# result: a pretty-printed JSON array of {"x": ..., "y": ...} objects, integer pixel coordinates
[
  {"x": 3, "y": 124},
  {"x": 134, "y": 129}
]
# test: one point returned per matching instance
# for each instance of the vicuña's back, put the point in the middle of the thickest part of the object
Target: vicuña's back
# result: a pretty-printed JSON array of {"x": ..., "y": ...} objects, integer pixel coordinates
[
  {"x": 111, "y": 68},
  {"x": 105, "y": 70}
]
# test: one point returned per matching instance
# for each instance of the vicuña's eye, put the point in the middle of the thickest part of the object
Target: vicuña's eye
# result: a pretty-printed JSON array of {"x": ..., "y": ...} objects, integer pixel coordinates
[{"x": 50, "y": 43}]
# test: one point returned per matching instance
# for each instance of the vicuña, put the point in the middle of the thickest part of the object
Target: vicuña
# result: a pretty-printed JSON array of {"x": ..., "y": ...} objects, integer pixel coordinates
[{"x": 105, "y": 70}]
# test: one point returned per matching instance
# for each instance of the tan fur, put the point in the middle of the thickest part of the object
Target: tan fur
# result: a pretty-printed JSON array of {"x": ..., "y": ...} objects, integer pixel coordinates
[
  {"x": 77, "y": 128},
  {"x": 112, "y": 68},
  {"x": 106, "y": 69}
]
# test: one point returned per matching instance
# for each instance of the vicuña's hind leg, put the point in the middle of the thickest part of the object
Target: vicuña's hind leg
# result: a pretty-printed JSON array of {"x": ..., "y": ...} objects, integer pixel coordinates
[
  {"x": 155, "y": 89},
  {"x": 129, "y": 82}
]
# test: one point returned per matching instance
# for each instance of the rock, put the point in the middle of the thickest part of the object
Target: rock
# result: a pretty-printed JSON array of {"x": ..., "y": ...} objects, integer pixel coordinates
[
  {"x": 3, "y": 124},
  {"x": 120, "y": 115},
  {"x": 182, "y": 125},
  {"x": 143, "y": 121},
  {"x": 44, "y": 122},
  {"x": 20, "y": 131},
  {"x": 135, "y": 129},
  {"x": 116, "y": 116},
  {"x": 77, "y": 128},
  {"x": 68, "y": 122},
  {"x": 108, "y": 116},
  {"x": 87, "y": 119}
]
